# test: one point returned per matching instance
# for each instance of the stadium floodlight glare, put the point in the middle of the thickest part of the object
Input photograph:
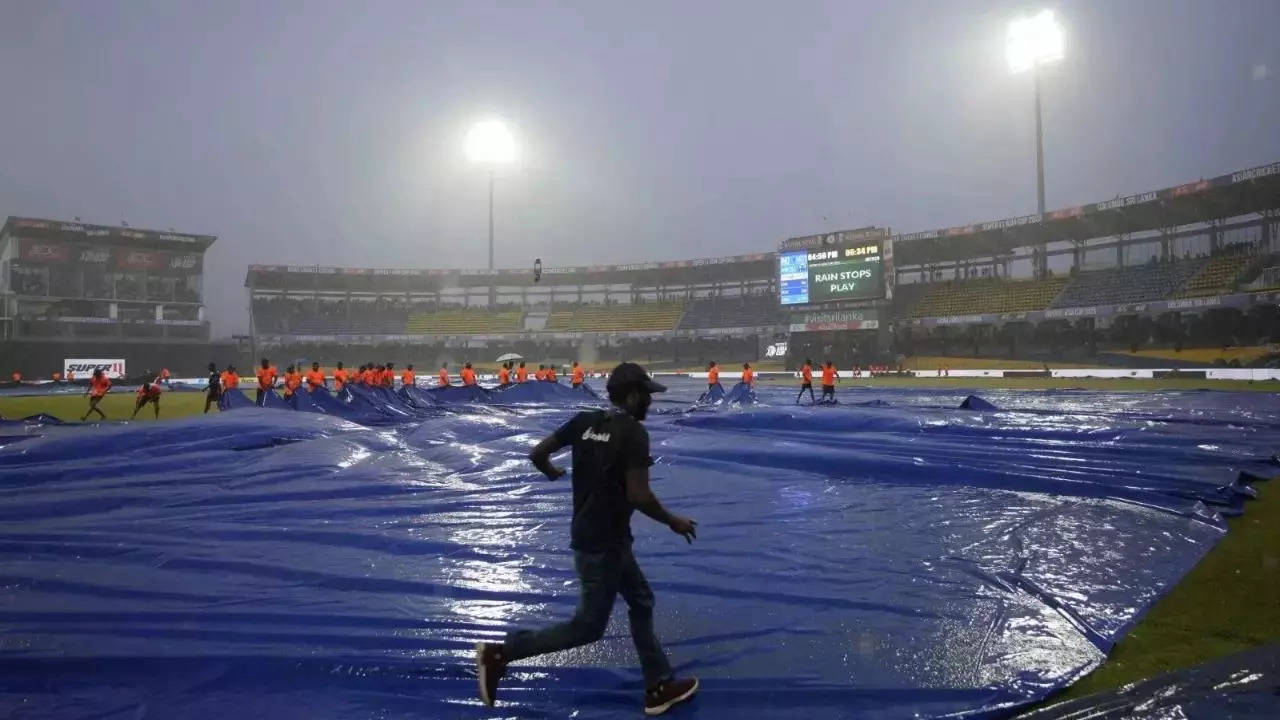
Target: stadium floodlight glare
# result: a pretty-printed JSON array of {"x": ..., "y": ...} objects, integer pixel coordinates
[
  {"x": 490, "y": 143},
  {"x": 1034, "y": 41}
]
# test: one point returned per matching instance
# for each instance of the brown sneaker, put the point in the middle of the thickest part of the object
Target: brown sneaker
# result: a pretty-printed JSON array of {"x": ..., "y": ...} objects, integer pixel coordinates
[
  {"x": 659, "y": 698},
  {"x": 490, "y": 667}
]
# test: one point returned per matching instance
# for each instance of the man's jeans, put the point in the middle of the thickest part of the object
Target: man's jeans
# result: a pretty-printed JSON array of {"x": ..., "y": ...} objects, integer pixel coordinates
[{"x": 602, "y": 576}]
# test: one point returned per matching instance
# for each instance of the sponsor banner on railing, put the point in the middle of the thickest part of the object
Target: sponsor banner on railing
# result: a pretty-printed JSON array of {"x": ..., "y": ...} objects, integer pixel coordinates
[{"x": 83, "y": 367}]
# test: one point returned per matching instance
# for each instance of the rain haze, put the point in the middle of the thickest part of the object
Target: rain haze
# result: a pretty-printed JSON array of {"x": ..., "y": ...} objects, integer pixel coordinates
[{"x": 331, "y": 134}]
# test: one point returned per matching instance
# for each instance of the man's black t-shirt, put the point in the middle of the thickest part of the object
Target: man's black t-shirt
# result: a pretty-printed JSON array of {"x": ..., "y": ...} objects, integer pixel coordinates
[
  {"x": 606, "y": 443},
  {"x": 215, "y": 383}
]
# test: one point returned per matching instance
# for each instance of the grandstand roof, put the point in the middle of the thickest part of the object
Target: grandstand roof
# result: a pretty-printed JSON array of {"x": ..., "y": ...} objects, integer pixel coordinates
[
  {"x": 71, "y": 231},
  {"x": 679, "y": 272},
  {"x": 1233, "y": 194}
]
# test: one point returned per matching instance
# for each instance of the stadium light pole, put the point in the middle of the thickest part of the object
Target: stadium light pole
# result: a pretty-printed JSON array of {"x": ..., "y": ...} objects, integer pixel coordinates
[
  {"x": 490, "y": 143},
  {"x": 1032, "y": 42}
]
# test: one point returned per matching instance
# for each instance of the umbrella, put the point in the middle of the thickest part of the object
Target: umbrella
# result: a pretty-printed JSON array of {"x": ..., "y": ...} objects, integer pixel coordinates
[{"x": 509, "y": 356}]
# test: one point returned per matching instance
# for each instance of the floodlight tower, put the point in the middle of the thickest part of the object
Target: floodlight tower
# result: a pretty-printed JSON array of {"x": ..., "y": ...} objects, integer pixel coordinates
[
  {"x": 1032, "y": 42},
  {"x": 490, "y": 143}
]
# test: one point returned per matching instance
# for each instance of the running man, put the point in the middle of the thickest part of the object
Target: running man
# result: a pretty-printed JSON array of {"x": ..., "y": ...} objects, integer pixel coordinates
[
  {"x": 266, "y": 380},
  {"x": 576, "y": 378},
  {"x": 806, "y": 380},
  {"x": 212, "y": 391},
  {"x": 610, "y": 479},
  {"x": 315, "y": 378},
  {"x": 749, "y": 375},
  {"x": 829, "y": 376},
  {"x": 339, "y": 377},
  {"x": 504, "y": 374},
  {"x": 713, "y": 376},
  {"x": 522, "y": 373},
  {"x": 408, "y": 378},
  {"x": 99, "y": 384},
  {"x": 468, "y": 375},
  {"x": 148, "y": 392},
  {"x": 444, "y": 375}
]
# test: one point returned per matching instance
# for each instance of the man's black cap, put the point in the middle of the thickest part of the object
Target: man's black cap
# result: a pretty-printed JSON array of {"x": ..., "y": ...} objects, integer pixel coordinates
[{"x": 630, "y": 375}]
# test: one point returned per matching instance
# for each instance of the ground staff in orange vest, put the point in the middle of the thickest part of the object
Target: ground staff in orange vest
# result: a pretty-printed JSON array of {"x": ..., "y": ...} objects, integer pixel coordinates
[
  {"x": 576, "y": 378},
  {"x": 806, "y": 380},
  {"x": 444, "y": 375},
  {"x": 829, "y": 376},
  {"x": 148, "y": 392},
  {"x": 266, "y": 380},
  {"x": 408, "y": 378},
  {"x": 748, "y": 375},
  {"x": 522, "y": 374},
  {"x": 99, "y": 384},
  {"x": 339, "y": 377},
  {"x": 315, "y": 378},
  {"x": 504, "y": 374},
  {"x": 292, "y": 381},
  {"x": 468, "y": 375}
]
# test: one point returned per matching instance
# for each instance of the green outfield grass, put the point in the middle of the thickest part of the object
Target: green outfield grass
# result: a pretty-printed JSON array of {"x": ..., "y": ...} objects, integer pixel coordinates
[
  {"x": 117, "y": 406},
  {"x": 1229, "y": 602}
]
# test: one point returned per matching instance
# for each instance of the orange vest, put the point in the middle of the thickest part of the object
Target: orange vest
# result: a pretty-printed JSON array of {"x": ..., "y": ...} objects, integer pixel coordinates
[
  {"x": 339, "y": 378},
  {"x": 551, "y": 374},
  {"x": 409, "y": 378},
  {"x": 806, "y": 373},
  {"x": 100, "y": 386},
  {"x": 468, "y": 376},
  {"x": 315, "y": 379},
  {"x": 504, "y": 376},
  {"x": 713, "y": 375},
  {"x": 522, "y": 374},
  {"x": 266, "y": 377},
  {"x": 577, "y": 375},
  {"x": 444, "y": 377},
  {"x": 829, "y": 375},
  {"x": 748, "y": 375},
  {"x": 229, "y": 380}
]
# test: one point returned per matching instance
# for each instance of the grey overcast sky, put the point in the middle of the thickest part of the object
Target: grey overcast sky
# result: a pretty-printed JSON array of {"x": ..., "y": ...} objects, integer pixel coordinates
[{"x": 331, "y": 132}]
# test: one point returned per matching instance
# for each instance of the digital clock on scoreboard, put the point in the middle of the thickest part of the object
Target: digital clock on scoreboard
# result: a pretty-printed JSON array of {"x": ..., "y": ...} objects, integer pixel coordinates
[{"x": 839, "y": 273}]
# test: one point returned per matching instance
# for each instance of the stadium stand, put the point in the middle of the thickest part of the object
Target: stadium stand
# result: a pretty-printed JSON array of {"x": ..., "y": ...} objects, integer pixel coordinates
[
  {"x": 738, "y": 311},
  {"x": 462, "y": 321},
  {"x": 1218, "y": 276},
  {"x": 967, "y": 297},
  {"x": 658, "y": 316},
  {"x": 1144, "y": 283}
]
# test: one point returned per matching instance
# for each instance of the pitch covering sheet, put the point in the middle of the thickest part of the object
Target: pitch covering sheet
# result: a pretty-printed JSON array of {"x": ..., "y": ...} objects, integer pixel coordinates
[{"x": 892, "y": 556}]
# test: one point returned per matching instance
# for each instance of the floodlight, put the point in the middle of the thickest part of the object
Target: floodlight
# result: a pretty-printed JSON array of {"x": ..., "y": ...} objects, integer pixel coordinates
[
  {"x": 490, "y": 142},
  {"x": 1033, "y": 41}
]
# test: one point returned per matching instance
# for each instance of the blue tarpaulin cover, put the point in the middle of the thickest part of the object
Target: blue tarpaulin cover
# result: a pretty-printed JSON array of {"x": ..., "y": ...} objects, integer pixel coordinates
[
  {"x": 892, "y": 556},
  {"x": 1242, "y": 686}
]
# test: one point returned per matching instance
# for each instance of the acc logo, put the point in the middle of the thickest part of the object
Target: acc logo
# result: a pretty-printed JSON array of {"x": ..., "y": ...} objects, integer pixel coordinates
[{"x": 776, "y": 350}]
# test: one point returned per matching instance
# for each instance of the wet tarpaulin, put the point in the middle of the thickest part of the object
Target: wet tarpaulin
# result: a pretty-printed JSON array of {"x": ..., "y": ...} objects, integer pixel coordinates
[
  {"x": 1242, "y": 686},
  {"x": 889, "y": 557}
]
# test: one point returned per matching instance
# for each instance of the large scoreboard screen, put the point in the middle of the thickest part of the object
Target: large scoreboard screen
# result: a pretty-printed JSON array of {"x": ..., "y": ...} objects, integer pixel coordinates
[{"x": 849, "y": 272}]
